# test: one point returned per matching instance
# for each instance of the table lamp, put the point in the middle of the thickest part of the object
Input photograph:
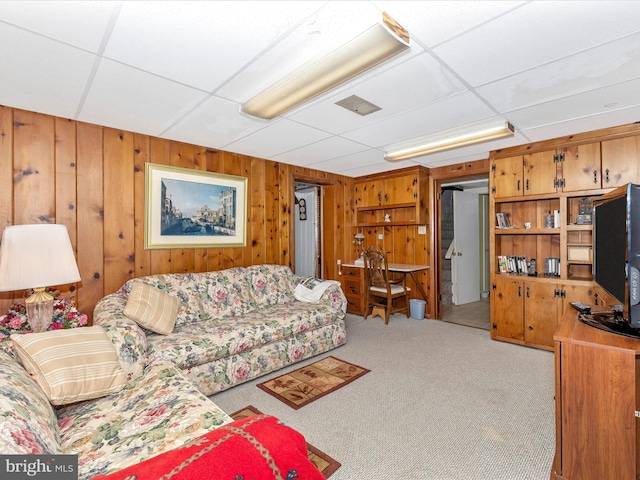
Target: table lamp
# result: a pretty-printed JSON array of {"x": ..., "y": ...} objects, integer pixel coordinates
[{"x": 37, "y": 256}]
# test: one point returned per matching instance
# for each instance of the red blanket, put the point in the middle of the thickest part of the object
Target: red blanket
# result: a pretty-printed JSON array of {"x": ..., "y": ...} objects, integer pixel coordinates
[{"x": 258, "y": 447}]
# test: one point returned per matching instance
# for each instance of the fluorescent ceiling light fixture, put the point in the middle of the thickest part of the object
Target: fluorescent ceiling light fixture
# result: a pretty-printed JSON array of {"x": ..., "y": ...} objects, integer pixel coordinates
[
  {"x": 377, "y": 44},
  {"x": 503, "y": 130}
]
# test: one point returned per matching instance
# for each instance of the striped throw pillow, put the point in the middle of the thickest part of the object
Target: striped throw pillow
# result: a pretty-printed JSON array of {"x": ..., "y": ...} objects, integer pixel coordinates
[
  {"x": 151, "y": 308},
  {"x": 71, "y": 365}
]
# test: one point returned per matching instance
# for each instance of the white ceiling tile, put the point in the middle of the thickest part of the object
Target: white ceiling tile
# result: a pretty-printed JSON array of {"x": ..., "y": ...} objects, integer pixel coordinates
[
  {"x": 200, "y": 44},
  {"x": 584, "y": 124},
  {"x": 453, "y": 157},
  {"x": 412, "y": 83},
  {"x": 364, "y": 163},
  {"x": 215, "y": 123},
  {"x": 277, "y": 137},
  {"x": 553, "y": 30},
  {"x": 41, "y": 75},
  {"x": 435, "y": 21},
  {"x": 599, "y": 67},
  {"x": 82, "y": 24},
  {"x": 119, "y": 93},
  {"x": 321, "y": 151},
  {"x": 594, "y": 102},
  {"x": 459, "y": 109}
]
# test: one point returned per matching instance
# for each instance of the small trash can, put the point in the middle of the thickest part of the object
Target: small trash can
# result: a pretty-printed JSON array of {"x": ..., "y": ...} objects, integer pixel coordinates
[{"x": 416, "y": 308}]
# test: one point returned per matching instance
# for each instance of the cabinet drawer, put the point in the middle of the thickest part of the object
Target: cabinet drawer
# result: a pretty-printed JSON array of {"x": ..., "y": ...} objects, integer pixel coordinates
[
  {"x": 352, "y": 286},
  {"x": 352, "y": 272}
]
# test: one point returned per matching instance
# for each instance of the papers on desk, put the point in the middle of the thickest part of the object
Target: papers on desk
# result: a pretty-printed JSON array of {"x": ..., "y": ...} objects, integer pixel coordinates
[{"x": 312, "y": 289}]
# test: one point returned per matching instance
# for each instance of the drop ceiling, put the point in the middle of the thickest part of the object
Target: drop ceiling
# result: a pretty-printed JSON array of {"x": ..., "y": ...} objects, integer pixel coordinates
[{"x": 181, "y": 70}]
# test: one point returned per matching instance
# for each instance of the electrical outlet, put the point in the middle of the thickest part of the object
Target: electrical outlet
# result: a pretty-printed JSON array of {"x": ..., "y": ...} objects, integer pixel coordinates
[{"x": 422, "y": 229}]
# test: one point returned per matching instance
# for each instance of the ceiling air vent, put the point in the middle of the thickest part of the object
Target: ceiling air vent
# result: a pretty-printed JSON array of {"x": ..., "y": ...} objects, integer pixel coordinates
[{"x": 358, "y": 105}]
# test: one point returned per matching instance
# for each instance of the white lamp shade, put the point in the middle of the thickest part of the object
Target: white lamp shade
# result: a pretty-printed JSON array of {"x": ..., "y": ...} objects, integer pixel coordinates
[{"x": 34, "y": 256}]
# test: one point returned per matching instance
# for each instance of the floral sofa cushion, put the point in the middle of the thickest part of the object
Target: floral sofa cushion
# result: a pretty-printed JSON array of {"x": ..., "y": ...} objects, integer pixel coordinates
[
  {"x": 202, "y": 295},
  {"x": 271, "y": 284},
  {"x": 193, "y": 345},
  {"x": 227, "y": 292},
  {"x": 28, "y": 423},
  {"x": 127, "y": 337},
  {"x": 157, "y": 412}
]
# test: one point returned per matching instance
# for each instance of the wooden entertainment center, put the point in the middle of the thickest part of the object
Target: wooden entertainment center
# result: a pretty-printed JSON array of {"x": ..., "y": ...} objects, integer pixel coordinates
[
  {"x": 530, "y": 183},
  {"x": 597, "y": 403}
]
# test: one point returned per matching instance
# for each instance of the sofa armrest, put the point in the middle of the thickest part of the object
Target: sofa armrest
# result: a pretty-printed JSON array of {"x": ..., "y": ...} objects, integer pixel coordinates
[
  {"x": 333, "y": 296},
  {"x": 129, "y": 340}
]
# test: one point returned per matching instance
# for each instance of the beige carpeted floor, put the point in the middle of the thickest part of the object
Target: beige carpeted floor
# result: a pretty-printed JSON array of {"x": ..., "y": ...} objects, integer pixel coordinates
[{"x": 442, "y": 402}]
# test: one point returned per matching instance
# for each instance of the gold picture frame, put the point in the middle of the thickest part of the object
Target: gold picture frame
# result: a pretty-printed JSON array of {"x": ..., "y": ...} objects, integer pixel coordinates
[{"x": 187, "y": 208}]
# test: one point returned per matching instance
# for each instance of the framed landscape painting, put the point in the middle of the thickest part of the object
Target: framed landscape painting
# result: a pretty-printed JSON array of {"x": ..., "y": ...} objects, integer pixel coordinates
[{"x": 193, "y": 208}]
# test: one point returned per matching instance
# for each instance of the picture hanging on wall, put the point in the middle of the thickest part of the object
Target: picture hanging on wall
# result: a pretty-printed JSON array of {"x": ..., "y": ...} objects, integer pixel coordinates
[{"x": 187, "y": 208}]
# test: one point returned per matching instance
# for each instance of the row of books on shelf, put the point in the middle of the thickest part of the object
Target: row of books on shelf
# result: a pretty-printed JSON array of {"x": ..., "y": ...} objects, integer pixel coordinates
[
  {"x": 512, "y": 264},
  {"x": 552, "y": 266},
  {"x": 504, "y": 220},
  {"x": 519, "y": 265}
]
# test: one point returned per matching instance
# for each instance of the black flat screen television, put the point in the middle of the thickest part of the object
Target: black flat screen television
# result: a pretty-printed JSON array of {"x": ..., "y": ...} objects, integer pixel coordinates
[{"x": 616, "y": 255}]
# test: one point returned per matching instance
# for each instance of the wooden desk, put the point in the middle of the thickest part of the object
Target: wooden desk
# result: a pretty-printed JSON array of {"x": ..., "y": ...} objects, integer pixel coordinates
[
  {"x": 353, "y": 282},
  {"x": 597, "y": 396}
]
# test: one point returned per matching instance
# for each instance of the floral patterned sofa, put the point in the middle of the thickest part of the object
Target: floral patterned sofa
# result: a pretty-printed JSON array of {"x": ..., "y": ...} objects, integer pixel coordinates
[
  {"x": 233, "y": 325},
  {"x": 157, "y": 425},
  {"x": 230, "y": 326}
]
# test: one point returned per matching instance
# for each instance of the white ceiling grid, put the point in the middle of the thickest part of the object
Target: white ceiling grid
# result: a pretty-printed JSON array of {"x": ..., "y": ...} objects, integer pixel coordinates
[{"x": 181, "y": 70}]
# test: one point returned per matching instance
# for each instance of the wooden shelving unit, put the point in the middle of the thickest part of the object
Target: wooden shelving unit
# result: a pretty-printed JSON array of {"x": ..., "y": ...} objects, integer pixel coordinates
[{"x": 531, "y": 183}]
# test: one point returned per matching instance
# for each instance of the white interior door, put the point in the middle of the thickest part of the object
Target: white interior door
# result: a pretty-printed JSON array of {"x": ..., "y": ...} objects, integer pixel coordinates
[
  {"x": 465, "y": 259},
  {"x": 305, "y": 235}
]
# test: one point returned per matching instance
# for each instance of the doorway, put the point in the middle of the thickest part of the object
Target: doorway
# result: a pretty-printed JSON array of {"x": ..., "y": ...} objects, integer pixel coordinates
[
  {"x": 464, "y": 256},
  {"x": 307, "y": 230}
]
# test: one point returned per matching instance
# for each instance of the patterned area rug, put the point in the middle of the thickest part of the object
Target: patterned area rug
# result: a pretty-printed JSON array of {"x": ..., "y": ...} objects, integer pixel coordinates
[
  {"x": 321, "y": 460},
  {"x": 309, "y": 383}
]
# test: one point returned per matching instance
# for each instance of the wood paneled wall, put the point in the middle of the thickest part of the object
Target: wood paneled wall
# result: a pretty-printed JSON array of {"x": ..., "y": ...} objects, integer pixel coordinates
[{"x": 91, "y": 178}]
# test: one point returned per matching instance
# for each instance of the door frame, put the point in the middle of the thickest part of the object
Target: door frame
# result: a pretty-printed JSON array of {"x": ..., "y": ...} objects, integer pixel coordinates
[
  {"x": 327, "y": 192},
  {"x": 436, "y": 235}
]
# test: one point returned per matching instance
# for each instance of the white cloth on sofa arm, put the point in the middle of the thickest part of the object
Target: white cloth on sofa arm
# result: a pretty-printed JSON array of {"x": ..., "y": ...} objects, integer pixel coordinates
[{"x": 312, "y": 289}]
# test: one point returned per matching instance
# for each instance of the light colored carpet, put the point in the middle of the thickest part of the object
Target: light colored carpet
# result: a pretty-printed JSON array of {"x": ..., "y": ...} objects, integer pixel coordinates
[{"x": 442, "y": 402}]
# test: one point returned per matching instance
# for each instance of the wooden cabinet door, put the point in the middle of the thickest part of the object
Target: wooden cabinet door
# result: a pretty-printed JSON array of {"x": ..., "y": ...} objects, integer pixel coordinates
[
  {"x": 539, "y": 173},
  {"x": 540, "y": 313},
  {"x": 620, "y": 161},
  {"x": 506, "y": 176},
  {"x": 581, "y": 167},
  {"x": 400, "y": 190},
  {"x": 369, "y": 193},
  {"x": 507, "y": 308},
  {"x": 576, "y": 293}
]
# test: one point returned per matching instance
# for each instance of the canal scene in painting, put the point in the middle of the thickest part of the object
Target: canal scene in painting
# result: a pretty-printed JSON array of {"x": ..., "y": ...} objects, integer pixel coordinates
[{"x": 192, "y": 208}]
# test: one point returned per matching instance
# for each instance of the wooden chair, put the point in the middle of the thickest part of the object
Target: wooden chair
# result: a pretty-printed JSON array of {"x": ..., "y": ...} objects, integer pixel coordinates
[{"x": 383, "y": 295}]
